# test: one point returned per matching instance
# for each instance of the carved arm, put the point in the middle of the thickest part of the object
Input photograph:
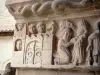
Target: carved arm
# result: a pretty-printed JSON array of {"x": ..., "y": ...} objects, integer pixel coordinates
[{"x": 89, "y": 47}]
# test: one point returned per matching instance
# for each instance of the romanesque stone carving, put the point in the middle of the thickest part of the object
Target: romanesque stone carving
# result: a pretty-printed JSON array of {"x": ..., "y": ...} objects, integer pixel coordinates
[
  {"x": 63, "y": 55},
  {"x": 78, "y": 42},
  {"x": 20, "y": 29},
  {"x": 39, "y": 9},
  {"x": 29, "y": 53},
  {"x": 52, "y": 29},
  {"x": 94, "y": 47},
  {"x": 24, "y": 10},
  {"x": 18, "y": 45},
  {"x": 34, "y": 44},
  {"x": 63, "y": 27},
  {"x": 61, "y": 5},
  {"x": 57, "y": 6},
  {"x": 37, "y": 47},
  {"x": 49, "y": 48},
  {"x": 40, "y": 28},
  {"x": 32, "y": 29},
  {"x": 19, "y": 26}
]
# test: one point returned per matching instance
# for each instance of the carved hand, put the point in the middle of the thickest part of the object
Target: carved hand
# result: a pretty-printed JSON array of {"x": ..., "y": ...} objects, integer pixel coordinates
[{"x": 89, "y": 47}]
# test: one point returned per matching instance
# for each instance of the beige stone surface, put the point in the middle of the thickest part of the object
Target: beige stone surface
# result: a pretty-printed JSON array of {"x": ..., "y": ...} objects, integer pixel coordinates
[
  {"x": 49, "y": 72},
  {"x": 55, "y": 35}
]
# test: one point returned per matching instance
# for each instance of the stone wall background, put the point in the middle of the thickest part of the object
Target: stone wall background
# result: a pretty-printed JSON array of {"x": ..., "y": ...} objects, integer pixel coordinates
[{"x": 6, "y": 47}]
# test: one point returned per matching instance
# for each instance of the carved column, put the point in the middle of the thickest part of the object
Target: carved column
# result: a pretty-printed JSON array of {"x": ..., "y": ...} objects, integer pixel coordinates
[{"x": 59, "y": 35}]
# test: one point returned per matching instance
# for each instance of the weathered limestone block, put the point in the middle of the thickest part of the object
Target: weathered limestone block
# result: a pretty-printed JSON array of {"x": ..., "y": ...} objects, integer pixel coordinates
[{"x": 56, "y": 34}]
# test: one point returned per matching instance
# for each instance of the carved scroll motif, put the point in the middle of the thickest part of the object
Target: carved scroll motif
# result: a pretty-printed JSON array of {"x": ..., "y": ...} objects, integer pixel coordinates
[{"x": 57, "y": 6}]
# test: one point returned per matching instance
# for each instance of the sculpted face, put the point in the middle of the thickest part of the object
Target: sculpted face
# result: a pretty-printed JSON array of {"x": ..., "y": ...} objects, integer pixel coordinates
[
  {"x": 65, "y": 24},
  {"x": 19, "y": 26},
  {"x": 40, "y": 27},
  {"x": 68, "y": 24},
  {"x": 67, "y": 34},
  {"x": 32, "y": 28},
  {"x": 19, "y": 45}
]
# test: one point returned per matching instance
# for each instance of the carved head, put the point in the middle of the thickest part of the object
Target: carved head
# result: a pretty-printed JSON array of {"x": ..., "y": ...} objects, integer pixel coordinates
[
  {"x": 40, "y": 27},
  {"x": 62, "y": 24},
  {"x": 18, "y": 45},
  {"x": 32, "y": 28},
  {"x": 98, "y": 26},
  {"x": 67, "y": 35},
  {"x": 82, "y": 24},
  {"x": 65, "y": 24},
  {"x": 19, "y": 26},
  {"x": 68, "y": 24}
]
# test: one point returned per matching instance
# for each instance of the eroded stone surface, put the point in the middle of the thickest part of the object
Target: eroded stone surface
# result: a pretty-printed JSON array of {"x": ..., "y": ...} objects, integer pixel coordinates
[{"x": 48, "y": 36}]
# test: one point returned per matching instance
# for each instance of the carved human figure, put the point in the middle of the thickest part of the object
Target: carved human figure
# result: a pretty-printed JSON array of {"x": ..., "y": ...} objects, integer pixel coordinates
[
  {"x": 39, "y": 44},
  {"x": 64, "y": 25},
  {"x": 94, "y": 46},
  {"x": 31, "y": 29},
  {"x": 18, "y": 45},
  {"x": 31, "y": 42},
  {"x": 51, "y": 30},
  {"x": 78, "y": 42},
  {"x": 40, "y": 27},
  {"x": 19, "y": 26},
  {"x": 63, "y": 53}
]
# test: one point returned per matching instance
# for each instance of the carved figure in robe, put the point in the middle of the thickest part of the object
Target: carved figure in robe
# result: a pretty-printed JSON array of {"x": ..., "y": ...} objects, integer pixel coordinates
[
  {"x": 18, "y": 45},
  {"x": 63, "y": 55},
  {"x": 94, "y": 46},
  {"x": 39, "y": 44},
  {"x": 79, "y": 43},
  {"x": 31, "y": 42}
]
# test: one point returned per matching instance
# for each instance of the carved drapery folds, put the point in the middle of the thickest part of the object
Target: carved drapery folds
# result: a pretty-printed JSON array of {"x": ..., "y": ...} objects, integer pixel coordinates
[
  {"x": 44, "y": 38},
  {"x": 93, "y": 48},
  {"x": 55, "y": 43}
]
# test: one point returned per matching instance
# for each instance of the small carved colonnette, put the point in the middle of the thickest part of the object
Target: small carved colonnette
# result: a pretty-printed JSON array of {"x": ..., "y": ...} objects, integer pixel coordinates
[
  {"x": 57, "y": 6},
  {"x": 42, "y": 48}
]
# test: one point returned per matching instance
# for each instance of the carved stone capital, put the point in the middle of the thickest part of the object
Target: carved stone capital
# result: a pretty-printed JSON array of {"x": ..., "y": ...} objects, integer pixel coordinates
[
  {"x": 31, "y": 8},
  {"x": 54, "y": 34}
]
